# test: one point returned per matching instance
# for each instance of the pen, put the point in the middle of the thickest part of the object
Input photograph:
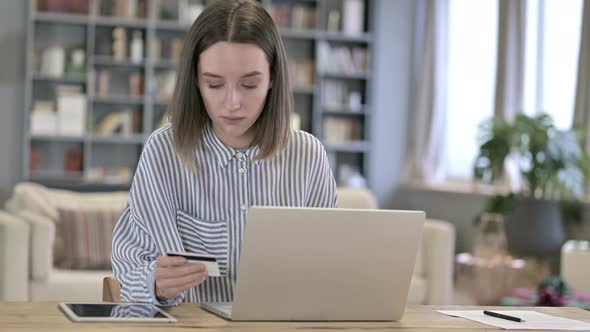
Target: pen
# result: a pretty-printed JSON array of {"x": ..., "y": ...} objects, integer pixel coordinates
[{"x": 499, "y": 315}]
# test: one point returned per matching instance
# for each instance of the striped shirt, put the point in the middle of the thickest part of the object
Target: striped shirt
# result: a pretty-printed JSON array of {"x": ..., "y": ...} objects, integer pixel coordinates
[{"x": 173, "y": 208}]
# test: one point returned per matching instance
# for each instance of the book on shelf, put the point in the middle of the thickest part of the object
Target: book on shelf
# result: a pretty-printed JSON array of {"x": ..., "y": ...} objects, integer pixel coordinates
[
  {"x": 340, "y": 130},
  {"x": 71, "y": 110},
  {"x": 119, "y": 44},
  {"x": 122, "y": 8},
  {"x": 302, "y": 73},
  {"x": 73, "y": 160},
  {"x": 338, "y": 95},
  {"x": 136, "y": 85},
  {"x": 334, "y": 93},
  {"x": 61, "y": 6},
  {"x": 342, "y": 59},
  {"x": 102, "y": 82},
  {"x": 156, "y": 49},
  {"x": 176, "y": 50},
  {"x": 108, "y": 175},
  {"x": 296, "y": 17},
  {"x": 43, "y": 119}
]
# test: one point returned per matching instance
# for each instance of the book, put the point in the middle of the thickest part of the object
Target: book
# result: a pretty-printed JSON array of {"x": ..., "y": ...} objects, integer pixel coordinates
[
  {"x": 342, "y": 59},
  {"x": 71, "y": 110},
  {"x": 339, "y": 130},
  {"x": 136, "y": 85}
]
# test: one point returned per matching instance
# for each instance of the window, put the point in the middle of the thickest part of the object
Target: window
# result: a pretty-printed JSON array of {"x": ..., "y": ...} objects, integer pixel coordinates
[
  {"x": 553, "y": 42},
  {"x": 552, "y": 47},
  {"x": 473, "y": 31}
]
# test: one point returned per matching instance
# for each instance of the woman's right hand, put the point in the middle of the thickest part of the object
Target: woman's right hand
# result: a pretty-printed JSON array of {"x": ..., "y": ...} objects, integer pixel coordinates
[{"x": 174, "y": 275}]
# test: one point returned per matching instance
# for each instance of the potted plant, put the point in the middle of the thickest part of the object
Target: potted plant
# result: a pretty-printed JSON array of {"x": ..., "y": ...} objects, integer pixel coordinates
[{"x": 552, "y": 167}]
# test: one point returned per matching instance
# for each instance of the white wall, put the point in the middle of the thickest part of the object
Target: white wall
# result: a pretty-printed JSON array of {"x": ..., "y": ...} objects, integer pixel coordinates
[
  {"x": 12, "y": 69},
  {"x": 391, "y": 91}
]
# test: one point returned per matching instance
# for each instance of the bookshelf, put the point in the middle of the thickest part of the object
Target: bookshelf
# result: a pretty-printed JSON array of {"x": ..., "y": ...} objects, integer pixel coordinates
[{"x": 124, "y": 89}]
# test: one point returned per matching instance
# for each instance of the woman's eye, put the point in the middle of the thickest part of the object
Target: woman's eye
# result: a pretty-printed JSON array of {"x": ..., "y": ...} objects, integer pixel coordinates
[
  {"x": 215, "y": 86},
  {"x": 250, "y": 87}
]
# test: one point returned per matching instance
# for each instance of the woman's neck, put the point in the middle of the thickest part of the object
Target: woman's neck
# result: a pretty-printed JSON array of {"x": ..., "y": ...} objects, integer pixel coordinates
[{"x": 239, "y": 143}]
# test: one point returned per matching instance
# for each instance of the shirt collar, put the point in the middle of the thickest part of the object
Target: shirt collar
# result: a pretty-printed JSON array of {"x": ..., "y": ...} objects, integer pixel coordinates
[{"x": 223, "y": 153}]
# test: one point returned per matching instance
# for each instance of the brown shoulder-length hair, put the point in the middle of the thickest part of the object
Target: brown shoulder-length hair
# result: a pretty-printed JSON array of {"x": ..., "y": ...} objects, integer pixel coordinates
[{"x": 238, "y": 21}]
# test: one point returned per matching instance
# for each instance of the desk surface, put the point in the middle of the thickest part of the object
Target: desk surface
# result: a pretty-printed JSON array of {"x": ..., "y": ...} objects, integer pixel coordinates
[{"x": 46, "y": 317}]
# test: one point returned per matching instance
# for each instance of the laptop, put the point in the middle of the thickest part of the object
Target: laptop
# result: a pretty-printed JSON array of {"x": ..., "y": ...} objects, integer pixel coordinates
[{"x": 318, "y": 264}]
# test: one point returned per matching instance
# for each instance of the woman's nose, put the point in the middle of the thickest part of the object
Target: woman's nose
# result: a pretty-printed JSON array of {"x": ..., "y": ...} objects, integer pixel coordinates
[{"x": 232, "y": 99}]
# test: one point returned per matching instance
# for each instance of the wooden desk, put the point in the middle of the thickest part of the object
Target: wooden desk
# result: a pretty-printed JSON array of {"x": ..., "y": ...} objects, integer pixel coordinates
[{"x": 46, "y": 317}]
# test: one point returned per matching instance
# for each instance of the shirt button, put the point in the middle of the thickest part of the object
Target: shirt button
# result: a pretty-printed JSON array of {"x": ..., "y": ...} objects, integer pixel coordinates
[
  {"x": 242, "y": 171},
  {"x": 243, "y": 207},
  {"x": 240, "y": 155}
]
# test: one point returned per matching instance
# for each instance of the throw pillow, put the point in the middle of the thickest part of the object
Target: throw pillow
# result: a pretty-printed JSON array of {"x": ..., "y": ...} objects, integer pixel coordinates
[{"x": 87, "y": 237}]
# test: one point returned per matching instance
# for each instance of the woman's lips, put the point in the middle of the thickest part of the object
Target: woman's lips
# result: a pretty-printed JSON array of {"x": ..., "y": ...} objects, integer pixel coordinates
[{"x": 232, "y": 119}]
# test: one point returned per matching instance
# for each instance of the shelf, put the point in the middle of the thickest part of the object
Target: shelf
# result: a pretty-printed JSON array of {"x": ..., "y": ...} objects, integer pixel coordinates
[
  {"x": 349, "y": 76},
  {"x": 110, "y": 21},
  {"x": 76, "y": 181},
  {"x": 304, "y": 90},
  {"x": 60, "y": 176},
  {"x": 126, "y": 100},
  {"x": 364, "y": 38},
  {"x": 57, "y": 138},
  {"x": 352, "y": 146},
  {"x": 343, "y": 110},
  {"x": 61, "y": 18},
  {"x": 299, "y": 34},
  {"x": 344, "y": 113},
  {"x": 172, "y": 26},
  {"x": 110, "y": 61},
  {"x": 115, "y": 148},
  {"x": 64, "y": 79},
  {"x": 117, "y": 138},
  {"x": 165, "y": 64},
  {"x": 161, "y": 104}
]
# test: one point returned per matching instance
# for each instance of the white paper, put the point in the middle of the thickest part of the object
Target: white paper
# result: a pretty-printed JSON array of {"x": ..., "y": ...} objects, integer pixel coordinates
[{"x": 533, "y": 320}]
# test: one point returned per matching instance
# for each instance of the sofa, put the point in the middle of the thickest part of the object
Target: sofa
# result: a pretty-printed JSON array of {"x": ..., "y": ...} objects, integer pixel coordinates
[{"x": 31, "y": 245}]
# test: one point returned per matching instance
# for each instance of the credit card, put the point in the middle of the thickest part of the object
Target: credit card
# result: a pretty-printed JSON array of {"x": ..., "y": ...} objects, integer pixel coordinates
[{"x": 210, "y": 262}]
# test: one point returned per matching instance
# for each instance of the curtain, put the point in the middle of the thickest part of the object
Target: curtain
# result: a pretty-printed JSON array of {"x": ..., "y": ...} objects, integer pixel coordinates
[
  {"x": 426, "y": 145},
  {"x": 582, "y": 105},
  {"x": 511, "y": 59}
]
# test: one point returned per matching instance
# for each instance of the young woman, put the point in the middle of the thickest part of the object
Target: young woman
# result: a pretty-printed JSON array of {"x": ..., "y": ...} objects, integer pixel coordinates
[{"x": 229, "y": 146}]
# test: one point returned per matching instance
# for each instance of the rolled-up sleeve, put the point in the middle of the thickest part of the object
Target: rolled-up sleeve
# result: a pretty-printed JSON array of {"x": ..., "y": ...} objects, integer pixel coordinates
[{"x": 147, "y": 228}]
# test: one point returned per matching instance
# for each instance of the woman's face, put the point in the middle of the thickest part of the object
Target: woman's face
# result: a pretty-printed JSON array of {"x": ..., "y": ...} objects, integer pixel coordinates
[{"x": 234, "y": 79}]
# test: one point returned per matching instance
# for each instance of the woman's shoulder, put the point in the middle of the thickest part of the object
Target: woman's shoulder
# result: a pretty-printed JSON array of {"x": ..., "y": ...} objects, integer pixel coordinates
[
  {"x": 304, "y": 141},
  {"x": 162, "y": 134},
  {"x": 160, "y": 140}
]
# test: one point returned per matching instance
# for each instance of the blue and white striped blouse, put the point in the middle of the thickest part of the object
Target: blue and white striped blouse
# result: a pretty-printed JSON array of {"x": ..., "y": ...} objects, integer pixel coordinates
[{"x": 172, "y": 208}]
